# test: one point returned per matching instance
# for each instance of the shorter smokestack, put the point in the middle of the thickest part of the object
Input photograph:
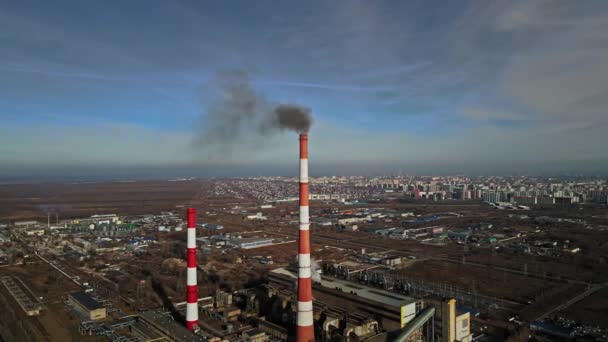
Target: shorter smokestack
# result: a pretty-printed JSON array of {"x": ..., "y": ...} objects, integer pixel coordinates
[{"x": 191, "y": 285}]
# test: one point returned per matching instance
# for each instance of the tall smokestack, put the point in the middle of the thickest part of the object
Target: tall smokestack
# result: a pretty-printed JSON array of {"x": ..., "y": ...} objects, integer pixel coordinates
[
  {"x": 305, "y": 330},
  {"x": 191, "y": 286}
]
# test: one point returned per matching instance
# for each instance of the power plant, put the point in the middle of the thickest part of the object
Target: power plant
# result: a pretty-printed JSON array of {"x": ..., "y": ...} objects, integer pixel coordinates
[
  {"x": 357, "y": 297},
  {"x": 305, "y": 329}
]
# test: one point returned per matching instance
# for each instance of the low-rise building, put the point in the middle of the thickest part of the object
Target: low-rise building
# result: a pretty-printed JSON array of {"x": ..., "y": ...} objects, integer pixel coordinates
[
  {"x": 248, "y": 243},
  {"x": 257, "y": 216},
  {"x": 87, "y": 306}
]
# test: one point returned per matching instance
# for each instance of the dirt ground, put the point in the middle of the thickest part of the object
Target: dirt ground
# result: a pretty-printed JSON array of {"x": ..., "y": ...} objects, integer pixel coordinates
[
  {"x": 484, "y": 281},
  {"x": 591, "y": 310},
  {"x": 54, "y": 323},
  {"x": 34, "y": 201}
]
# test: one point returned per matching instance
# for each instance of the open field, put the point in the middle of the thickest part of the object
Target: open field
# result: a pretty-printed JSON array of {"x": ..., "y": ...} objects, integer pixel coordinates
[
  {"x": 34, "y": 201},
  {"x": 591, "y": 310},
  {"x": 54, "y": 323},
  {"x": 484, "y": 281}
]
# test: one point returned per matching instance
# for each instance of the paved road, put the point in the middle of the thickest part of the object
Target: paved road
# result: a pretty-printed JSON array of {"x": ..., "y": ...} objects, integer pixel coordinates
[{"x": 573, "y": 300}]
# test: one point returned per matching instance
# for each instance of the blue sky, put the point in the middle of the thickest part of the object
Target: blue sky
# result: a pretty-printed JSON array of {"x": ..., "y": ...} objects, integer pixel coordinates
[{"x": 395, "y": 82}]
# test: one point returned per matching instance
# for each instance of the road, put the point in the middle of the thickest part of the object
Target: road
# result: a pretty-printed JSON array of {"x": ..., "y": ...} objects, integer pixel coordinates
[
  {"x": 573, "y": 300},
  {"x": 58, "y": 269}
]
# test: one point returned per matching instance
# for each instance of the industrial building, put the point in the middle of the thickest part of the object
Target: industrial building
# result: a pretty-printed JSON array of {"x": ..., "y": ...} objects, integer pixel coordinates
[
  {"x": 22, "y": 295},
  {"x": 391, "y": 310},
  {"x": 275, "y": 311},
  {"x": 164, "y": 325},
  {"x": 87, "y": 306},
  {"x": 249, "y": 243},
  {"x": 211, "y": 226},
  {"x": 449, "y": 326}
]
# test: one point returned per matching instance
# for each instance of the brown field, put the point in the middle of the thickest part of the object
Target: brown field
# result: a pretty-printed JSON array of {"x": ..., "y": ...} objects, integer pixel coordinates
[
  {"x": 591, "y": 310},
  {"x": 483, "y": 280},
  {"x": 54, "y": 323},
  {"x": 34, "y": 201}
]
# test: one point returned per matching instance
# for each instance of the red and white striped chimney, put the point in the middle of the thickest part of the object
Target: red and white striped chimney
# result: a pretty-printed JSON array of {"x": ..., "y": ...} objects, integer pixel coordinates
[
  {"x": 305, "y": 330},
  {"x": 191, "y": 286}
]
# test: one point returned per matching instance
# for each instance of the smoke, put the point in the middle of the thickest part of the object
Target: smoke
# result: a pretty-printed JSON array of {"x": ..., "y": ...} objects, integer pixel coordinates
[
  {"x": 315, "y": 270},
  {"x": 292, "y": 117},
  {"x": 239, "y": 115},
  {"x": 53, "y": 208}
]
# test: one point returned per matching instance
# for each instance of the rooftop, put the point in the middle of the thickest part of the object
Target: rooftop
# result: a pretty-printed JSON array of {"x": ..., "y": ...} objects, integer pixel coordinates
[
  {"x": 169, "y": 327},
  {"x": 377, "y": 295},
  {"x": 86, "y": 300}
]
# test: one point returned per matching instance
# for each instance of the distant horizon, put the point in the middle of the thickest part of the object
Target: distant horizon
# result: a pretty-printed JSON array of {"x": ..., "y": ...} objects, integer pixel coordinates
[
  {"x": 469, "y": 86},
  {"x": 93, "y": 173}
]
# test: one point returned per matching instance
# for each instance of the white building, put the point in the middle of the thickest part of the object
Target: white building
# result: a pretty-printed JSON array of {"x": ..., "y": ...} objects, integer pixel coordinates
[{"x": 257, "y": 216}]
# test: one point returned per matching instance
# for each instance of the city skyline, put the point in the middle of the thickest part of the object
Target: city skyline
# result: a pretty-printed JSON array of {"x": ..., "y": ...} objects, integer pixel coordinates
[{"x": 425, "y": 87}]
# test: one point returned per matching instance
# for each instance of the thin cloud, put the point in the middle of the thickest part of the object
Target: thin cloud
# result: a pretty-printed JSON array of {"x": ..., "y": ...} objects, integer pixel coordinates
[
  {"x": 58, "y": 73},
  {"x": 335, "y": 87}
]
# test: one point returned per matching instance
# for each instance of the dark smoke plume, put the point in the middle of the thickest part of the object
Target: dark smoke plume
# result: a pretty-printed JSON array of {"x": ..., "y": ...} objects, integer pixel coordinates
[
  {"x": 295, "y": 118},
  {"x": 239, "y": 116}
]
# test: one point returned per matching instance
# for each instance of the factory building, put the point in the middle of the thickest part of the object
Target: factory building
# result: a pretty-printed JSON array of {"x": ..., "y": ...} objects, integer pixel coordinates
[
  {"x": 392, "y": 311},
  {"x": 211, "y": 226},
  {"x": 85, "y": 305},
  {"x": 249, "y": 243},
  {"x": 25, "y": 223},
  {"x": 257, "y": 216},
  {"x": 163, "y": 325},
  {"x": 449, "y": 326},
  {"x": 276, "y": 310}
]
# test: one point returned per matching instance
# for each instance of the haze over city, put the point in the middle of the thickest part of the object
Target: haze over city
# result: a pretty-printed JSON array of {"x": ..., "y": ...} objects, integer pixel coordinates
[
  {"x": 301, "y": 171},
  {"x": 93, "y": 88}
]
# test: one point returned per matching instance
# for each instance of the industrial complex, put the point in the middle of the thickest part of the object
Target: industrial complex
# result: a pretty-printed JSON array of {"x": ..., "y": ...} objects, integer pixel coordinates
[{"x": 385, "y": 260}]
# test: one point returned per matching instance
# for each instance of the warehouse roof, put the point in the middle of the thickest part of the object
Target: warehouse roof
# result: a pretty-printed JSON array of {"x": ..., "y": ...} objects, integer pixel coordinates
[
  {"x": 85, "y": 300},
  {"x": 377, "y": 295}
]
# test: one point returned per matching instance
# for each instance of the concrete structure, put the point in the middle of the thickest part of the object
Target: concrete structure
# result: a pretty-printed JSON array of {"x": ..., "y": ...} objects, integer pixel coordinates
[
  {"x": 31, "y": 231},
  {"x": 191, "y": 284},
  {"x": 84, "y": 304},
  {"x": 275, "y": 331},
  {"x": 164, "y": 325},
  {"x": 223, "y": 299},
  {"x": 22, "y": 295},
  {"x": 249, "y": 243},
  {"x": 545, "y": 200},
  {"x": 305, "y": 329},
  {"x": 391, "y": 310},
  {"x": 492, "y": 196},
  {"x": 278, "y": 308},
  {"x": 525, "y": 200},
  {"x": 255, "y": 335},
  {"x": 452, "y": 327},
  {"x": 25, "y": 223},
  {"x": 448, "y": 320},
  {"x": 211, "y": 226},
  {"x": 257, "y": 216}
]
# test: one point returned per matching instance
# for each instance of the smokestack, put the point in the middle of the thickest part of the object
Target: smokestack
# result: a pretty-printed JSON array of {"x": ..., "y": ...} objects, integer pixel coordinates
[
  {"x": 305, "y": 330},
  {"x": 191, "y": 286}
]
